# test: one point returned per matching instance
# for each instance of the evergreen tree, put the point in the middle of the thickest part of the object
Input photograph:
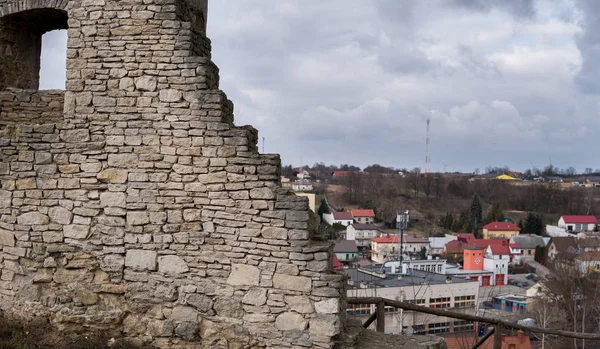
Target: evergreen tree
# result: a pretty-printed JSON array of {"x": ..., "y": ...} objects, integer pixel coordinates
[
  {"x": 520, "y": 225},
  {"x": 423, "y": 253},
  {"x": 533, "y": 225},
  {"x": 323, "y": 208},
  {"x": 476, "y": 214},
  {"x": 449, "y": 221},
  {"x": 495, "y": 213}
]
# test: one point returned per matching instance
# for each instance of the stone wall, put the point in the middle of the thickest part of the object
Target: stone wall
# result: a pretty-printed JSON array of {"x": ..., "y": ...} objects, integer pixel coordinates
[
  {"x": 145, "y": 212},
  {"x": 30, "y": 106}
]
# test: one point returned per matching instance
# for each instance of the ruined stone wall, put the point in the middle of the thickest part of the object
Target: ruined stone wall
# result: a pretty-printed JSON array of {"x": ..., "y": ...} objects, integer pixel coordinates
[{"x": 145, "y": 212}]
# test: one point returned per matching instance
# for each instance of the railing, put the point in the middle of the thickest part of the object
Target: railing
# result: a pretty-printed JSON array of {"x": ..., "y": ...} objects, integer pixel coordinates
[{"x": 499, "y": 325}]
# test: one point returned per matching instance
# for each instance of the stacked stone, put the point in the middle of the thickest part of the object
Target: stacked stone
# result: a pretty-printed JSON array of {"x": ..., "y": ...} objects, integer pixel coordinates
[
  {"x": 146, "y": 212},
  {"x": 27, "y": 106}
]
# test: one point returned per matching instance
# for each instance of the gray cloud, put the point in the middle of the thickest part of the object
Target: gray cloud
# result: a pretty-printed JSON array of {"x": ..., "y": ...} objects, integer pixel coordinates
[
  {"x": 352, "y": 81},
  {"x": 519, "y": 8}
]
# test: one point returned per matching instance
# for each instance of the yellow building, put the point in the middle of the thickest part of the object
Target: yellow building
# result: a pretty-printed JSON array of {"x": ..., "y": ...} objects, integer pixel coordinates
[
  {"x": 285, "y": 182},
  {"x": 500, "y": 230},
  {"x": 506, "y": 177}
]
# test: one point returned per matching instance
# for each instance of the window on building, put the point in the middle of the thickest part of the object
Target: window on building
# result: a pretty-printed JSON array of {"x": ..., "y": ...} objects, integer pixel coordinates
[
  {"x": 463, "y": 326},
  {"x": 440, "y": 327},
  {"x": 358, "y": 309},
  {"x": 443, "y": 302},
  {"x": 464, "y": 301},
  {"x": 416, "y": 302}
]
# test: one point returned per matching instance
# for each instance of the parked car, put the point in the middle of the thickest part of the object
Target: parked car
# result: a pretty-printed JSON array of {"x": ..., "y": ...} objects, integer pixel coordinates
[
  {"x": 523, "y": 284},
  {"x": 514, "y": 282},
  {"x": 488, "y": 304},
  {"x": 530, "y": 276}
]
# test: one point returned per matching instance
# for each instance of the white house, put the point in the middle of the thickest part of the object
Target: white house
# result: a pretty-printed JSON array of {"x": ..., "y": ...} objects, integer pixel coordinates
[
  {"x": 343, "y": 218},
  {"x": 365, "y": 216},
  {"x": 362, "y": 233},
  {"x": 302, "y": 173},
  {"x": 578, "y": 223},
  {"x": 386, "y": 246},
  {"x": 302, "y": 185},
  {"x": 436, "y": 244}
]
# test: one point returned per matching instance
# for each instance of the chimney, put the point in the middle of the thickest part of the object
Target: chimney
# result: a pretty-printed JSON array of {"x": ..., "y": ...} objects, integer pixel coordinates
[
  {"x": 520, "y": 336},
  {"x": 503, "y": 338}
]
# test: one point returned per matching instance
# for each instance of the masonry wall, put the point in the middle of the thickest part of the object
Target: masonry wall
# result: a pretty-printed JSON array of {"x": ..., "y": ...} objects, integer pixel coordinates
[
  {"x": 30, "y": 106},
  {"x": 144, "y": 212}
]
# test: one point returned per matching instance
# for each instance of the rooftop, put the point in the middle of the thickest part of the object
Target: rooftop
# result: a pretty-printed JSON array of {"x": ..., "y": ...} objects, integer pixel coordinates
[
  {"x": 392, "y": 239},
  {"x": 342, "y": 216},
  {"x": 501, "y": 226},
  {"x": 344, "y": 246},
  {"x": 362, "y": 213},
  {"x": 414, "y": 277},
  {"x": 580, "y": 219},
  {"x": 360, "y": 226}
]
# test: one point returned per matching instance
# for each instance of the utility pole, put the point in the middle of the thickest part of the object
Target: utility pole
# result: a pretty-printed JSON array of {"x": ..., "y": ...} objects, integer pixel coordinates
[{"x": 263, "y": 145}]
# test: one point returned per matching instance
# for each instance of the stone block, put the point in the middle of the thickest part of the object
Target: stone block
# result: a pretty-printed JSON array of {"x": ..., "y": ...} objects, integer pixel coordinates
[
  {"x": 170, "y": 95},
  {"x": 183, "y": 313},
  {"x": 262, "y": 194},
  {"x": 274, "y": 233},
  {"x": 60, "y": 215},
  {"x": 199, "y": 301},
  {"x": 76, "y": 231},
  {"x": 33, "y": 218},
  {"x": 113, "y": 175},
  {"x": 290, "y": 321},
  {"x": 289, "y": 282},
  {"x": 138, "y": 218},
  {"x": 325, "y": 326},
  {"x": 123, "y": 160},
  {"x": 146, "y": 83},
  {"x": 328, "y": 306},
  {"x": 7, "y": 238},
  {"x": 243, "y": 274},
  {"x": 52, "y": 236},
  {"x": 172, "y": 265},
  {"x": 141, "y": 259},
  {"x": 300, "y": 304},
  {"x": 255, "y": 296},
  {"x": 113, "y": 199},
  {"x": 79, "y": 135}
]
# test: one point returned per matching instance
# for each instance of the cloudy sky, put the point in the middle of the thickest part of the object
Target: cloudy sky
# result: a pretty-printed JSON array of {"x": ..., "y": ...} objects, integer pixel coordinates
[{"x": 504, "y": 82}]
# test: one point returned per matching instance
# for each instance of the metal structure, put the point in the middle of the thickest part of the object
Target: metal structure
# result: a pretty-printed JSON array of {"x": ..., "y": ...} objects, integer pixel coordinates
[
  {"x": 402, "y": 224},
  {"x": 427, "y": 157}
]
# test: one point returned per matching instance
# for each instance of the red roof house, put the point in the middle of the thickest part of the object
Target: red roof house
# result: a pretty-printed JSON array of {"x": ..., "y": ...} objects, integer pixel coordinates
[
  {"x": 342, "y": 216},
  {"x": 500, "y": 230},
  {"x": 465, "y": 237},
  {"x": 578, "y": 223},
  {"x": 580, "y": 219},
  {"x": 363, "y": 215}
]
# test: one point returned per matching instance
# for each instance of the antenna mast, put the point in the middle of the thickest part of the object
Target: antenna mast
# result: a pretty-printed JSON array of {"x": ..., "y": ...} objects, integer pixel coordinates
[{"x": 427, "y": 157}]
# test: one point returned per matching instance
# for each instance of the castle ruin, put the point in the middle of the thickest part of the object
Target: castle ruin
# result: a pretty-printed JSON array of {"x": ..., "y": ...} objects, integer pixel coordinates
[{"x": 131, "y": 205}]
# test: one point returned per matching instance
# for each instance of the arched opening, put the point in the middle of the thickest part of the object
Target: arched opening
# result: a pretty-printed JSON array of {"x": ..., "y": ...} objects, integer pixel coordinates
[{"x": 21, "y": 45}]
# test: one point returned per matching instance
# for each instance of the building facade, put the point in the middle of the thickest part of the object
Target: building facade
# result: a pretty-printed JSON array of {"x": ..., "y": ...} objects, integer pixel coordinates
[{"x": 500, "y": 230}]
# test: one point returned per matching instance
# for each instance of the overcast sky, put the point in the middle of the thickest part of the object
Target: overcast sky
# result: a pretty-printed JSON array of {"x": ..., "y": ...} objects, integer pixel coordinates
[{"x": 504, "y": 82}]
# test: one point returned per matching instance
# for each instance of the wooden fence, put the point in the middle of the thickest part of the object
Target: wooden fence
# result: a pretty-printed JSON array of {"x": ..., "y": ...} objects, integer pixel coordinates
[{"x": 499, "y": 325}]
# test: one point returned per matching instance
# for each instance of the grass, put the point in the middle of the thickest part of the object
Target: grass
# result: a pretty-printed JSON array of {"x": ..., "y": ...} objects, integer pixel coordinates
[{"x": 44, "y": 336}]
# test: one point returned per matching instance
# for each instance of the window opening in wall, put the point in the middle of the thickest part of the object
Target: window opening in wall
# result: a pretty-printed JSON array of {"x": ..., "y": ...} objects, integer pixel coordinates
[
  {"x": 21, "y": 45},
  {"x": 53, "y": 68}
]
